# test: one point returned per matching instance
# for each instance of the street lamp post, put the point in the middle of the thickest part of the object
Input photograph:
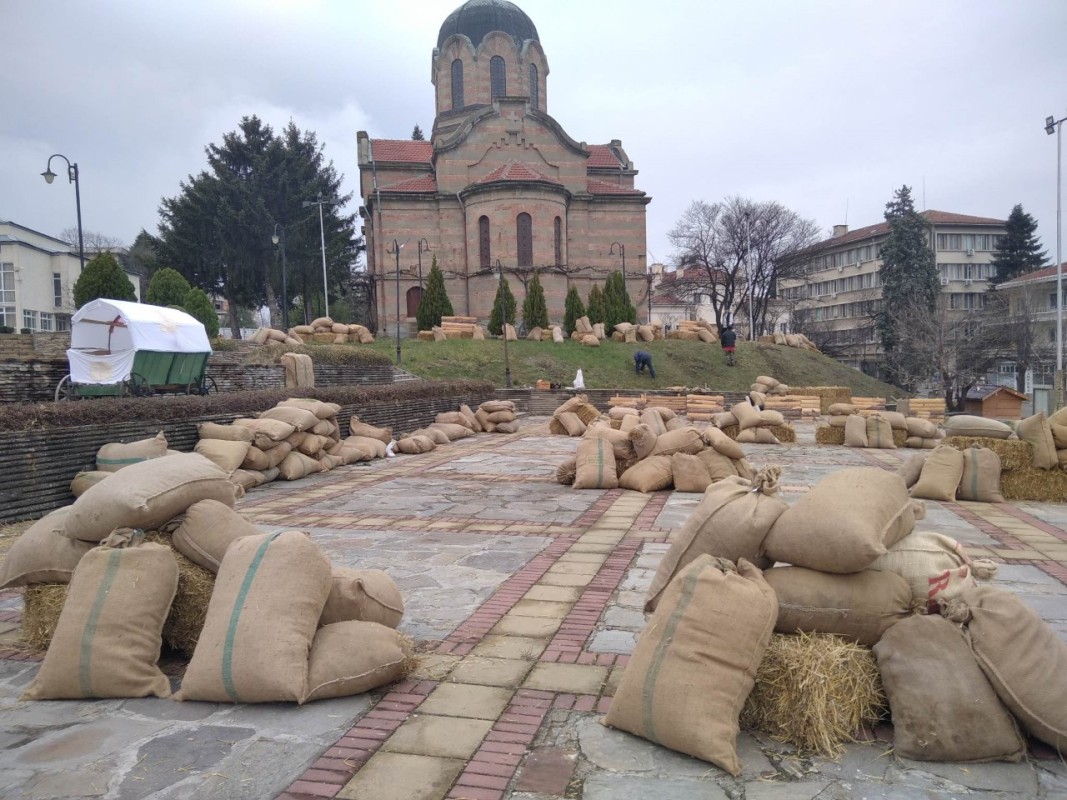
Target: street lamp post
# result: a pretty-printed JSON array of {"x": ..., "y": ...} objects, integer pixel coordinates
[
  {"x": 72, "y": 175},
  {"x": 622, "y": 252},
  {"x": 322, "y": 235},
  {"x": 504, "y": 326},
  {"x": 422, "y": 250},
  {"x": 1053, "y": 124},
  {"x": 280, "y": 238},
  {"x": 396, "y": 249}
]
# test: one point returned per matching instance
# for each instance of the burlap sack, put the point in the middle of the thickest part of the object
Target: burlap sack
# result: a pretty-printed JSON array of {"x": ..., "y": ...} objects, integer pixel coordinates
[
  {"x": 770, "y": 418},
  {"x": 263, "y": 460},
  {"x": 40, "y": 555},
  {"x": 373, "y": 448},
  {"x": 689, "y": 472},
  {"x": 566, "y": 471},
  {"x": 311, "y": 444},
  {"x": 940, "y": 475},
  {"x": 248, "y": 478},
  {"x": 301, "y": 419},
  {"x": 767, "y": 381},
  {"x": 266, "y": 604},
  {"x": 438, "y": 437},
  {"x": 912, "y": 468},
  {"x": 666, "y": 414},
  {"x": 896, "y": 420},
  {"x": 682, "y": 440},
  {"x": 730, "y": 522},
  {"x": 654, "y": 420},
  {"x": 968, "y": 425},
  {"x": 233, "y": 433},
  {"x": 715, "y": 438},
  {"x": 228, "y": 455},
  {"x": 595, "y": 465},
  {"x": 349, "y": 658},
  {"x": 648, "y": 475},
  {"x": 486, "y": 425},
  {"x": 855, "y": 430},
  {"x": 415, "y": 445},
  {"x": 645, "y": 333},
  {"x": 643, "y": 439},
  {"x": 879, "y": 432},
  {"x": 357, "y": 428},
  {"x": 723, "y": 419},
  {"x": 109, "y": 634},
  {"x": 319, "y": 408},
  {"x": 757, "y": 436},
  {"x": 943, "y": 706},
  {"x": 557, "y": 334},
  {"x": 501, "y": 416},
  {"x": 842, "y": 409},
  {"x": 328, "y": 428},
  {"x": 840, "y": 421},
  {"x": 935, "y": 567},
  {"x": 83, "y": 480},
  {"x": 296, "y": 465},
  {"x": 620, "y": 442},
  {"x": 717, "y": 465},
  {"x": 747, "y": 415},
  {"x": 695, "y": 662},
  {"x": 618, "y": 412},
  {"x": 453, "y": 432},
  {"x": 367, "y": 595},
  {"x": 456, "y": 418},
  {"x": 860, "y": 606},
  {"x": 923, "y": 428},
  {"x": 844, "y": 522},
  {"x": 507, "y": 427},
  {"x": 149, "y": 494},
  {"x": 981, "y": 476},
  {"x": 266, "y": 431},
  {"x": 918, "y": 443},
  {"x": 1020, "y": 654},
  {"x": 1059, "y": 436},
  {"x": 113, "y": 457},
  {"x": 627, "y": 424},
  {"x": 1037, "y": 431},
  {"x": 206, "y": 529}
]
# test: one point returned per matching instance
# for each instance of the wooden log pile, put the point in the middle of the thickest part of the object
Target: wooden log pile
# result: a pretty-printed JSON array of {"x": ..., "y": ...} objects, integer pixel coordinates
[
  {"x": 701, "y": 407},
  {"x": 794, "y": 406}
]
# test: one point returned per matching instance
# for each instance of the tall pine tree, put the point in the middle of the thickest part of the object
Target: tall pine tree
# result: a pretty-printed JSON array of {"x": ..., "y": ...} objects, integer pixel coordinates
[
  {"x": 1020, "y": 250},
  {"x": 434, "y": 303},
  {"x": 534, "y": 308},
  {"x": 618, "y": 307},
  {"x": 102, "y": 277},
  {"x": 506, "y": 300},
  {"x": 573, "y": 310},
  {"x": 596, "y": 309},
  {"x": 909, "y": 277}
]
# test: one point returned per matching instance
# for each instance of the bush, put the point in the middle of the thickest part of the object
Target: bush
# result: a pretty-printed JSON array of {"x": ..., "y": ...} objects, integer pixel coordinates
[
  {"x": 434, "y": 303},
  {"x": 199, "y": 307},
  {"x": 573, "y": 310},
  {"x": 504, "y": 298},
  {"x": 6, "y": 329},
  {"x": 168, "y": 287},
  {"x": 596, "y": 309},
  {"x": 534, "y": 308},
  {"x": 617, "y": 301},
  {"x": 102, "y": 278}
]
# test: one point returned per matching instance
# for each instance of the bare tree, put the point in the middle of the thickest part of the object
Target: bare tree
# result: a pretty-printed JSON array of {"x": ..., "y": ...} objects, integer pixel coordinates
[
  {"x": 1014, "y": 320},
  {"x": 94, "y": 241}
]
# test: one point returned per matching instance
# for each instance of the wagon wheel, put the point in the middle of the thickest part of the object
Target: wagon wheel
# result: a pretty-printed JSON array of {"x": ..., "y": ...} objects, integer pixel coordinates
[
  {"x": 65, "y": 390},
  {"x": 138, "y": 386},
  {"x": 206, "y": 385}
]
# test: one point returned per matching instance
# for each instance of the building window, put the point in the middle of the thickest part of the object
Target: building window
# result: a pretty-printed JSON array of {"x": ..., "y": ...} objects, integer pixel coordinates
[
  {"x": 62, "y": 323},
  {"x": 57, "y": 289},
  {"x": 29, "y": 319},
  {"x": 483, "y": 243},
  {"x": 535, "y": 99},
  {"x": 497, "y": 81},
  {"x": 7, "y": 295},
  {"x": 524, "y": 237},
  {"x": 557, "y": 239},
  {"x": 47, "y": 321},
  {"x": 457, "y": 84}
]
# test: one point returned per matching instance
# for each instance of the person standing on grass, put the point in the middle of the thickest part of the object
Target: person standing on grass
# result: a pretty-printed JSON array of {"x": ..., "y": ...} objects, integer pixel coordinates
[
  {"x": 729, "y": 342},
  {"x": 642, "y": 360}
]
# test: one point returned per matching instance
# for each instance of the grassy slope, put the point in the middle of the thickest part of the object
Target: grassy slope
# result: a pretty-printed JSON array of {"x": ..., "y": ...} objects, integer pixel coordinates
[{"x": 611, "y": 365}]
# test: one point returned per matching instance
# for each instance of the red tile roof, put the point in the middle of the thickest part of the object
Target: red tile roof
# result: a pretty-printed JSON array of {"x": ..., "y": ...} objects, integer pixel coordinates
[
  {"x": 423, "y": 183},
  {"x": 606, "y": 187},
  {"x": 1036, "y": 275},
  {"x": 515, "y": 171},
  {"x": 405, "y": 150},
  {"x": 882, "y": 228},
  {"x": 601, "y": 155}
]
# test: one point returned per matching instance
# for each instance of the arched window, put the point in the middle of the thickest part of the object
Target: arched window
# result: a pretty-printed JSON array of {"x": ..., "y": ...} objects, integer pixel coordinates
[
  {"x": 457, "y": 84},
  {"x": 535, "y": 98},
  {"x": 557, "y": 239},
  {"x": 483, "y": 243},
  {"x": 498, "y": 86},
  {"x": 524, "y": 237}
]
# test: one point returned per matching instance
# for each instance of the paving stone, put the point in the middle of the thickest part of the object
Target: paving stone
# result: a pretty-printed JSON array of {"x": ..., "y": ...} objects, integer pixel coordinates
[
  {"x": 547, "y": 769},
  {"x": 994, "y": 777},
  {"x": 510, "y": 647},
  {"x": 435, "y": 666},
  {"x": 324, "y": 719},
  {"x": 555, "y": 594},
  {"x": 573, "y": 568},
  {"x": 533, "y": 627},
  {"x": 401, "y": 776},
  {"x": 570, "y": 678},
  {"x": 793, "y": 790},
  {"x": 606, "y": 786},
  {"x": 466, "y": 700},
  {"x": 540, "y": 608},
  {"x": 565, "y": 579},
  {"x": 446, "y": 737},
  {"x": 491, "y": 671},
  {"x": 628, "y": 619},
  {"x": 613, "y": 750},
  {"x": 613, "y": 641},
  {"x": 89, "y": 780},
  {"x": 77, "y": 745}
]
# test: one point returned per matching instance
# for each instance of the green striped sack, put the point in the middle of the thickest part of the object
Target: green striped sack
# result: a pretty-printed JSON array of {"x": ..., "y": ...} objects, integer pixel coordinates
[
  {"x": 595, "y": 465},
  {"x": 113, "y": 457}
]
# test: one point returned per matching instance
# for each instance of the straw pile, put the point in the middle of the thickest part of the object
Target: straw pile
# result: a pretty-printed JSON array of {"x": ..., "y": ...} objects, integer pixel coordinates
[
  {"x": 900, "y": 437},
  {"x": 785, "y": 434},
  {"x": 828, "y": 434},
  {"x": 1013, "y": 453},
  {"x": 815, "y": 691},
  {"x": 1031, "y": 483},
  {"x": 828, "y": 395},
  {"x": 41, "y": 603}
]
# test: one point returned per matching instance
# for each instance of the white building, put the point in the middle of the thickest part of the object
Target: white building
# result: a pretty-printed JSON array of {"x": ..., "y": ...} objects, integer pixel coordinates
[
  {"x": 674, "y": 298},
  {"x": 37, "y": 276}
]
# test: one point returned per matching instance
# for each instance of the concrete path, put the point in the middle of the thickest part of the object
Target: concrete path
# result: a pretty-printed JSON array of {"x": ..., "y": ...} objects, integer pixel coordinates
[{"x": 526, "y": 599}]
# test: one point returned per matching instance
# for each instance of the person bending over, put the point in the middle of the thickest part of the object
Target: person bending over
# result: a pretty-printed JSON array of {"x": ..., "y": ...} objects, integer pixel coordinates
[{"x": 642, "y": 360}]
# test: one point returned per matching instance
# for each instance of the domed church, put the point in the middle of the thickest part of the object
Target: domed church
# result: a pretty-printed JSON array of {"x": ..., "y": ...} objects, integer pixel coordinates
[{"x": 499, "y": 186}]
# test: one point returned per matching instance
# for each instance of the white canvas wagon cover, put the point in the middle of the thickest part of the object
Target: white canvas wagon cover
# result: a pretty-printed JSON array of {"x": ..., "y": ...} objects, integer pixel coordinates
[{"x": 105, "y": 335}]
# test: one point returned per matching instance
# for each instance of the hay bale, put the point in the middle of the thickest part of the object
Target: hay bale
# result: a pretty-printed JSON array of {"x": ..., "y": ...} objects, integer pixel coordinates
[
  {"x": 828, "y": 434},
  {"x": 1014, "y": 453},
  {"x": 732, "y": 431},
  {"x": 1031, "y": 483},
  {"x": 41, "y": 604},
  {"x": 815, "y": 691},
  {"x": 586, "y": 412},
  {"x": 828, "y": 395},
  {"x": 785, "y": 433},
  {"x": 900, "y": 437}
]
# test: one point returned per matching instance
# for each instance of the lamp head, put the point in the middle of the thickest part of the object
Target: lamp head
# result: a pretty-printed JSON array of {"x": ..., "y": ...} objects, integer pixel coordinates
[
  {"x": 275, "y": 238},
  {"x": 1050, "y": 128},
  {"x": 48, "y": 175}
]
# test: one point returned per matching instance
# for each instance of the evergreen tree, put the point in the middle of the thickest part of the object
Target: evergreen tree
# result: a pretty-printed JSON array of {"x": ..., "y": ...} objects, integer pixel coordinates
[
  {"x": 168, "y": 287},
  {"x": 1020, "y": 250},
  {"x": 617, "y": 305},
  {"x": 198, "y": 306},
  {"x": 534, "y": 308},
  {"x": 909, "y": 279},
  {"x": 102, "y": 277},
  {"x": 416, "y": 134},
  {"x": 573, "y": 310},
  {"x": 507, "y": 299},
  {"x": 434, "y": 303},
  {"x": 596, "y": 309}
]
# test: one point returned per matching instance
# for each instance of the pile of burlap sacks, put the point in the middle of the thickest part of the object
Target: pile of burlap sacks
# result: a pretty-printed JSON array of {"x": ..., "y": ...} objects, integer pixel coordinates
[
  {"x": 323, "y": 330},
  {"x": 1047, "y": 436},
  {"x": 492, "y": 416},
  {"x": 695, "y": 331},
  {"x": 631, "y": 334},
  {"x": 949, "y": 474},
  {"x": 763, "y": 386},
  {"x": 643, "y": 450},
  {"x": 798, "y": 340},
  {"x": 249, "y": 628},
  {"x": 748, "y": 422},
  {"x": 879, "y": 429},
  {"x": 964, "y": 666}
]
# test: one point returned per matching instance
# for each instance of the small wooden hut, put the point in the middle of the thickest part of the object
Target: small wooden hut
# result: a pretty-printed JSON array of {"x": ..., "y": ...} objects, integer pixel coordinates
[{"x": 995, "y": 402}]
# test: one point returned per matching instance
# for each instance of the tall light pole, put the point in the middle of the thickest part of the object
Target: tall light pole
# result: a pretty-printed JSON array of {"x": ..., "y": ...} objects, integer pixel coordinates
[
  {"x": 504, "y": 326},
  {"x": 1053, "y": 124},
  {"x": 322, "y": 235},
  {"x": 622, "y": 252},
  {"x": 422, "y": 250},
  {"x": 276, "y": 238},
  {"x": 397, "y": 247},
  {"x": 72, "y": 175}
]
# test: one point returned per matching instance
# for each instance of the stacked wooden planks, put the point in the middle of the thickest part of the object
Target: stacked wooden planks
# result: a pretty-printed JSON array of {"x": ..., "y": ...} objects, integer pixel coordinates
[
  {"x": 794, "y": 406},
  {"x": 459, "y": 327},
  {"x": 700, "y": 407},
  {"x": 676, "y": 404},
  {"x": 868, "y": 403},
  {"x": 931, "y": 408}
]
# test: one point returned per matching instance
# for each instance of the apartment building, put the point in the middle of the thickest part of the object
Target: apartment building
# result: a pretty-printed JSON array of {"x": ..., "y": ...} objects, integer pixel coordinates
[{"x": 835, "y": 301}]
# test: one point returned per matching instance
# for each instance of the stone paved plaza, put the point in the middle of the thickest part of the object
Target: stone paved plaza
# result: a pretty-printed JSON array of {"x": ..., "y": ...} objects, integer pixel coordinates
[{"x": 525, "y": 597}]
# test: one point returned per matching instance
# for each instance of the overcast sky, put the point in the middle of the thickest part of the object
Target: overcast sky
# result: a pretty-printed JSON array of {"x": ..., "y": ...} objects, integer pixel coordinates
[{"x": 826, "y": 107}]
